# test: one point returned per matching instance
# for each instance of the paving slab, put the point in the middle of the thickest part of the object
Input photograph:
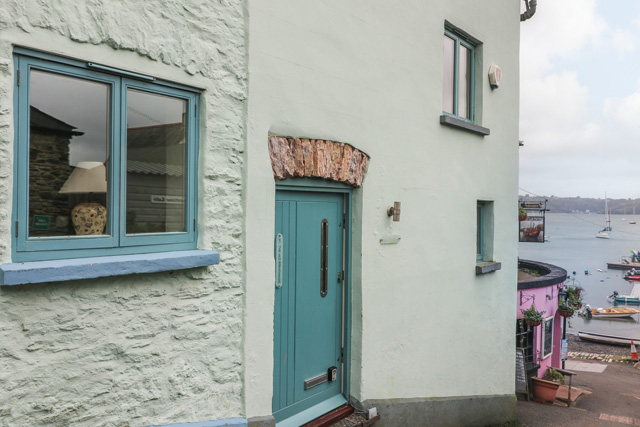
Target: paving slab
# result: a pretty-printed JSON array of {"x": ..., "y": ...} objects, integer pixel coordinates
[{"x": 574, "y": 365}]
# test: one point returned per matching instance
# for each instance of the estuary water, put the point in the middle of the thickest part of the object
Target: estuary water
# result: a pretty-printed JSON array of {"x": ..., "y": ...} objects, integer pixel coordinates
[{"x": 573, "y": 246}]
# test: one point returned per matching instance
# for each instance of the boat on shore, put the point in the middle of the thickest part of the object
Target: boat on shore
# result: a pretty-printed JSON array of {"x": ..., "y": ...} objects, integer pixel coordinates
[{"x": 606, "y": 339}]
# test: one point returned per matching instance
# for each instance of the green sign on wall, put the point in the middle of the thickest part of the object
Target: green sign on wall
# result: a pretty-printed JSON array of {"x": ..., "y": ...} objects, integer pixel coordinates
[{"x": 41, "y": 222}]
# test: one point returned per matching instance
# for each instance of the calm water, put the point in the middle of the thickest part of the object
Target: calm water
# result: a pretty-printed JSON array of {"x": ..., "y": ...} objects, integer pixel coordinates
[{"x": 573, "y": 246}]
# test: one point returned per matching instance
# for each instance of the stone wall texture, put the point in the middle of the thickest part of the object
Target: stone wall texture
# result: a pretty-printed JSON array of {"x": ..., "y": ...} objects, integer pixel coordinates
[
  {"x": 146, "y": 349},
  {"x": 317, "y": 158}
]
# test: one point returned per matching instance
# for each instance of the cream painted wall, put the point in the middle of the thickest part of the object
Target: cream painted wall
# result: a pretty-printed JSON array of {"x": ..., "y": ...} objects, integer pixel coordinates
[
  {"x": 369, "y": 73},
  {"x": 140, "y": 349}
]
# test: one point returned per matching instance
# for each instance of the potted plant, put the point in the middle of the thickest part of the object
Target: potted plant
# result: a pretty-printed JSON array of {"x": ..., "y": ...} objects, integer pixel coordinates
[
  {"x": 522, "y": 213},
  {"x": 565, "y": 309},
  {"x": 531, "y": 316},
  {"x": 575, "y": 297},
  {"x": 545, "y": 388}
]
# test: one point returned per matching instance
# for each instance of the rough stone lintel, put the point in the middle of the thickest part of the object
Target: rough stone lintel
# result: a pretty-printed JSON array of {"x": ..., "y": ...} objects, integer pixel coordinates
[{"x": 317, "y": 158}]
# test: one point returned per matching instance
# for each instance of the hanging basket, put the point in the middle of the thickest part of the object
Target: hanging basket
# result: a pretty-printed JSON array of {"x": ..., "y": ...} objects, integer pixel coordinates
[
  {"x": 533, "y": 322},
  {"x": 565, "y": 313},
  {"x": 522, "y": 217}
]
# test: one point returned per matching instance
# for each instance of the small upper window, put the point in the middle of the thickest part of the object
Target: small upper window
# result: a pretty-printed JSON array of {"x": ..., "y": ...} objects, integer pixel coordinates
[
  {"x": 479, "y": 230},
  {"x": 458, "y": 78},
  {"x": 547, "y": 337},
  {"x": 106, "y": 161}
]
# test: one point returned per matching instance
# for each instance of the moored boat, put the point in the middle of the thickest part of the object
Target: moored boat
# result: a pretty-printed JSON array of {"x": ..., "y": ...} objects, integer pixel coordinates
[
  {"x": 632, "y": 298},
  {"x": 610, "y": 313},
  {"x": 606, "y": 339}
]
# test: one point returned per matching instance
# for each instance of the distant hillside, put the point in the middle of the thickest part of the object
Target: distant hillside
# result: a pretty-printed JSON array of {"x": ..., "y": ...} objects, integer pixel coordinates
[{"x": 580, "y": 204}]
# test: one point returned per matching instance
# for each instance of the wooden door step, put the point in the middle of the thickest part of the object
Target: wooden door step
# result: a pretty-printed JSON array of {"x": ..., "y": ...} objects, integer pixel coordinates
[
  {"x": 356, "y": 420},
  {"x": 332, "y": 417}
]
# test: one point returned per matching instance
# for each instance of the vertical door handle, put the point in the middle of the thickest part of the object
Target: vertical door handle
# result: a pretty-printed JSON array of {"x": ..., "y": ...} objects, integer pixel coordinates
[{"x": 324, "y": 257}]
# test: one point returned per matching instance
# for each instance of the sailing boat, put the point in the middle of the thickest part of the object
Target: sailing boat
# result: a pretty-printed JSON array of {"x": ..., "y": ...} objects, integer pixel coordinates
[
  {"x": 634, "y": 215},
  {"x": 604, "y": 233}
]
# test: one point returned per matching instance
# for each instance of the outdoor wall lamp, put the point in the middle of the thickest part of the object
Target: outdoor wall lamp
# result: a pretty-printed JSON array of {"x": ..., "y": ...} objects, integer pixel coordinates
[{"x": 394, "y": 211}]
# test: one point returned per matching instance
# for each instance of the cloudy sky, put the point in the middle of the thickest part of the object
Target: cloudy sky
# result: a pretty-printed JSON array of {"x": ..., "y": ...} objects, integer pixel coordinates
[{"x": 580, "y": 99}]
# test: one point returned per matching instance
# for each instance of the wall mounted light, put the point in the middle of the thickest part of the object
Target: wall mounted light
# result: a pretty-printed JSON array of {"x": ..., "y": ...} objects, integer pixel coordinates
[
  {"x": 394, "y": 211},
  {"x": 495, "y": 76}
]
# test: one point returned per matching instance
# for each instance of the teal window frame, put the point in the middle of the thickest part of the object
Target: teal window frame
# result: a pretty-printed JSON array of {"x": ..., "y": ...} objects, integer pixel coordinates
[
  {"x": 480, "y": 233},
  {"x": 115, "y": 241},
  {"x": 461, "y": 40}
]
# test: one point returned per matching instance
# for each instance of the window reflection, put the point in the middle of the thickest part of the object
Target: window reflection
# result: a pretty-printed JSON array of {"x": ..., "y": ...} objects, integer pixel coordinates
[
  {"x": 68, "y": 143},
  {"x": 464, "y": 73},
  {"x": 156, "y": 185},
  {"x": 447, "y": 87}
]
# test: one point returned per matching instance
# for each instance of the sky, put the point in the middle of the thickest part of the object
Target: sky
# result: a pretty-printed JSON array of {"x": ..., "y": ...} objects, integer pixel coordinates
[{"x": 580, "y": 99}]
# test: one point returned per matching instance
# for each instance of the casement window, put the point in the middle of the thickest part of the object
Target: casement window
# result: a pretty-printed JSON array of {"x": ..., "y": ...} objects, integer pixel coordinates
[
  {"x": 547, "y": 337},
  {"x": 458, "y": 78},
  {"x": 484, "y": 238},
  {"x": 479, "y": 230},
  {"x": 524, "y": 340},
  {"x": 105, "y": 161}
]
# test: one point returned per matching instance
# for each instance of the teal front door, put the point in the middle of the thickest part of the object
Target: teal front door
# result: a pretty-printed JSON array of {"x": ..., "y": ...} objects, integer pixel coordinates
[{"x": 308, "y": 368}]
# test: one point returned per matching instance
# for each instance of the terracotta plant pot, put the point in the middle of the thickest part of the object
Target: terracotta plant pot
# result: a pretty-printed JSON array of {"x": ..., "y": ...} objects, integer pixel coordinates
[
  {"x": 565, "y": 313},
  {"x": 533, "y": 322},
  {"x": 544, "y": 390},
  {"x": 522, "y": 217}
]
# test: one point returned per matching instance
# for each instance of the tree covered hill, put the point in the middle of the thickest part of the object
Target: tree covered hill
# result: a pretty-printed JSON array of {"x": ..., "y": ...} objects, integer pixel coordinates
[{"x": 585, "y": 204}]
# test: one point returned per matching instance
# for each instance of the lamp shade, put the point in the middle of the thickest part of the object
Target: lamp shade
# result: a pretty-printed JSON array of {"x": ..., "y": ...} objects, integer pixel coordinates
[{"x": 87, "y": 177}]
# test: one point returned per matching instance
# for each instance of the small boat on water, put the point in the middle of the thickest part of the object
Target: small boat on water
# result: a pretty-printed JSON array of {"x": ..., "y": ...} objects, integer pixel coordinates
[
  {"x": 610, "y": 313},
  {"x": 632, "y": 275},
  {"x": 632, "y": 298},
  {"x": 606, "y": 339}
]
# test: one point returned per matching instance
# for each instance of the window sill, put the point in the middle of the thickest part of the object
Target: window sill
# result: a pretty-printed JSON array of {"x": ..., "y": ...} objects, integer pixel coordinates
[
  {"x": 20, "y": 273},
  {"x": 484, "y": 267},
  {"x": 463, "y": 125}
]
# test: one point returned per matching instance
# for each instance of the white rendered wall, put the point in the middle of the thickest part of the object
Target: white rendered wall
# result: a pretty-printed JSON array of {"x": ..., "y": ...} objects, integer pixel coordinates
[
  {"x": 146, "y": 349},
  {"x": 369, "y": 73}
]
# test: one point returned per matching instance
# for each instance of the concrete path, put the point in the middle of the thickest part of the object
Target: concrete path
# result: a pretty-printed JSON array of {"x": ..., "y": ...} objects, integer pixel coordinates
[{"x": 614, "y": 399}]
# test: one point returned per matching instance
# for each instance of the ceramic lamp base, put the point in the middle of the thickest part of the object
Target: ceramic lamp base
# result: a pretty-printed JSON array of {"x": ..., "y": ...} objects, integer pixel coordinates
[{"x": 89, "y": 219}]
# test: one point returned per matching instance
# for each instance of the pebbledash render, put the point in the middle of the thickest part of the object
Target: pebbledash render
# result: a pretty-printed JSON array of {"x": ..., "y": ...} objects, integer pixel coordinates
[{"x": 306, "y": 204}]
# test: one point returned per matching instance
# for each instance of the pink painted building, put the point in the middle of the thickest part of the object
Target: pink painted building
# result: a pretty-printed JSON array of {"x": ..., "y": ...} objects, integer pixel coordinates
[{"x": 542, "y": 343}]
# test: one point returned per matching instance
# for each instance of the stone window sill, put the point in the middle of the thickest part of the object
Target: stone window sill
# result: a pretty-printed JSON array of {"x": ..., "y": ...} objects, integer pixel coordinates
[
  {"x": 484, "y": 267},
  {"x": 463, "y": 125},
  {"x": 20, "y": 273}
]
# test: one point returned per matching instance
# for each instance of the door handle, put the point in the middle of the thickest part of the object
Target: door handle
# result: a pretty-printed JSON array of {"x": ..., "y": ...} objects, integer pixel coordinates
[{"x": 324, "y": 258}]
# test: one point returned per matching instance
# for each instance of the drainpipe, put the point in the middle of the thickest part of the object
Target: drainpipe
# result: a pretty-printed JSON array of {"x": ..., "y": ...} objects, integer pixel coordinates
[{"x": 531, "y": 10}]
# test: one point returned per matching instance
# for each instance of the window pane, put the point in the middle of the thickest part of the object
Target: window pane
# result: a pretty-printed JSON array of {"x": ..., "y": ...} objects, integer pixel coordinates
[
  {"x": 447, "y": 85},
  {"x": 156, "y": 142},
  {"x": 68, "y": 145},
  {"x": 548, "y": 337},
  {"x": 464, "y": 85},
  {"x": 479, "y": 231}
]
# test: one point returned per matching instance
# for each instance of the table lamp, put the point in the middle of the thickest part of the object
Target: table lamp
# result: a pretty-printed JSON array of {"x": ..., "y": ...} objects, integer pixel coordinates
[{"x": 87, "y": 177}]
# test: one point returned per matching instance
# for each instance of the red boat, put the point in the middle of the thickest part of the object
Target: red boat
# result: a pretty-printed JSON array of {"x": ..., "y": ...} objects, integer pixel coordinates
[{"x": 634, "y": 277}]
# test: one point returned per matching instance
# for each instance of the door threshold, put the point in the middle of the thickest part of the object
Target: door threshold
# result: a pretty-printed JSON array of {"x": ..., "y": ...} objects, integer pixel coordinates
[
  {"x": 332, "y": 417},
  {"x": 310, "y": 414}
]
